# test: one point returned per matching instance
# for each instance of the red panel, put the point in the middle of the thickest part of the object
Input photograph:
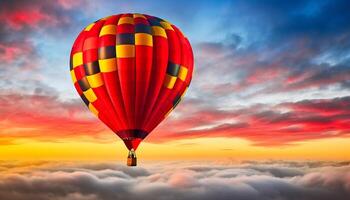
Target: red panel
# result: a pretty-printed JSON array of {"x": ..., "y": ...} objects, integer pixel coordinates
[
  {"x": 140, "y": 20},
  {"x": 90, "y": 43},
  {"x": 186, "y": 58},
  {"x": 95, "y": 30},
  {"x": 112, "y": 85},
  {"x": 126, "y": 72},
  {"x": 90, "y": 55},
  {"x": 104, "y": 119},
  {"x": 179, "y": 87},
  {"x": 101, "y": 92},
  {"x": 77, "y": 87},
  {"x": 125, "y": 28},
  {"x": 107, "y": 40},
  {"x": 79, "y": 72},
  {"x": 127, "y": 77},
  {"x": 143, "y": 74},
  {"x": 78, "y": 43},
  {"x": 175, "y": 57},
  {"x": 112, "y": 20},
  {"x": 111, "y": 79},
  {"x": 144, "y": 55},
  {"x": 106, "y": 108},
  {"x": 159, "y": 66}
]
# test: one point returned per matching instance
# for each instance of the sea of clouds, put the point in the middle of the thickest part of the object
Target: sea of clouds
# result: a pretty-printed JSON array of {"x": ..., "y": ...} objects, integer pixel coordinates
[{"x": 246, "y": 180}]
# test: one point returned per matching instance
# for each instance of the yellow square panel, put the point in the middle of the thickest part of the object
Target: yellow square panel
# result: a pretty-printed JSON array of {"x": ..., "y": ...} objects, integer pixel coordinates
[
  {"x": 158, "y": 31},
  {"x": 182, "y": 73},
  {"x": 108, "y": 65},
  {"x": 90, "y": 95},
  {"x": 125, "y": 51},
  {"x": 95, "y": 80},
  {"x": 139, "y": 15},
  {"x": 166, "y": 25},
  {"x": 77, "y": 59},
  {"x": 126, "y": 20},
  {"x": 108, "y": 30},
  {"x": 89, "y": 27},
  {"x": 72, "y": 74},
  {"x": 143, "y": 39},
  {"x": 169, "y": 81}
]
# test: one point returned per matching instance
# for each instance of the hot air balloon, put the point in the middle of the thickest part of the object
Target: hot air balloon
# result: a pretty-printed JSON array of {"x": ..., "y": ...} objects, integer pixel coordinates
[{"x": 131, "y": 71}]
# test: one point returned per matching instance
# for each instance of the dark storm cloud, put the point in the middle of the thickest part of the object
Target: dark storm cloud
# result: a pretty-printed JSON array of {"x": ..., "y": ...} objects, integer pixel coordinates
[{"x": 266, "y": 181}]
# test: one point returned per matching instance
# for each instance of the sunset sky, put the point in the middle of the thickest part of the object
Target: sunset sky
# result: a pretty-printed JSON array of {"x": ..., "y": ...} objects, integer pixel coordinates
[
  {"x": 266, "y": 117},
  {"x": 271, "y": 81}
]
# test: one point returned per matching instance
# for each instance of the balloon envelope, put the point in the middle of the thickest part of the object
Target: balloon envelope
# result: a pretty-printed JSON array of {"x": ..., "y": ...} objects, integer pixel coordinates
[{"x": 131, "y": 70}]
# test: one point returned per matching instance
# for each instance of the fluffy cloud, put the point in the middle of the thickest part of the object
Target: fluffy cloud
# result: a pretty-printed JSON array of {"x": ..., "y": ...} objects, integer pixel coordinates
[
  {"x": 28, "y": 116},
  {"x": 292, "y": 121},
  {"x": 26, "y": 30},
  {"x": 35, "y": 14},
  {"x": 283, "y": 47},
  {"x": 164, "y": 180}
]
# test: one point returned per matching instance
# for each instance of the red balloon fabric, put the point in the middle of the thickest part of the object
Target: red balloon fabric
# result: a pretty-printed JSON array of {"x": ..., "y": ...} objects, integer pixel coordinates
[{"x": 131, "y": 70}]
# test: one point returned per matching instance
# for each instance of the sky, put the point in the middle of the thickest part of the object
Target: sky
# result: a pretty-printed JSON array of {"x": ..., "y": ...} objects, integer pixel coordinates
[
  {"x": 271, "y": 81},
  {"x": 266, "y": 117}
]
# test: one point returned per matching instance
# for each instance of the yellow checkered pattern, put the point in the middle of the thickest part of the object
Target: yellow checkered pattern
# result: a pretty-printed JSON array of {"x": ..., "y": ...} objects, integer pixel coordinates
[
  {"x": 170, "y": 80},
  {"x": 158, "y": 31},
  {"x": 108, "y": 65},
  {"x": 72, "y": 74},
  {"x": 77, "y": 59},
  {"x": 95, "y": 80},
  {"x": 108, "y": 30},
  {"x": 144, "y": 37},
  {"x": 125, "y": 51},
  {"x": 88, "y": 28},
  {"x": 126, "y": 20}
]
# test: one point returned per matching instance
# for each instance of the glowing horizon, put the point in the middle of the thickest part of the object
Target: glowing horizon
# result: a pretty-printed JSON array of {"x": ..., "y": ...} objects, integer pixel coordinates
[{"x": 193, "y": 149}]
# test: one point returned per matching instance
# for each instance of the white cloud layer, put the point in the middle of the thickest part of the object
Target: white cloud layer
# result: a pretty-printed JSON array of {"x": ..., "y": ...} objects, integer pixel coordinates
[{"x": 275, "y": 180}]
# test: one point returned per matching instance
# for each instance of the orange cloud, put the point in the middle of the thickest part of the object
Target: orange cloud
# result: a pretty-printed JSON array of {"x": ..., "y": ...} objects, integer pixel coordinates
[
  {"x": 43, "y": 117},
  {"x": 263, "y": 124}
]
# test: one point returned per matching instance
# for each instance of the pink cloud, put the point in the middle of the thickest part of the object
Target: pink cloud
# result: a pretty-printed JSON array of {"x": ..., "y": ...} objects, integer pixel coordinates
[
  {"x": 31, "y": 17},
  {"x": 67, "y": 4},
  {"x": 28, "y": 116},
  {"x": 10, "y": 52},
  {"x": 37, "y": 14},
  {"x": 264, "y": 125},
  {"x": 45, "y": 117}
]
